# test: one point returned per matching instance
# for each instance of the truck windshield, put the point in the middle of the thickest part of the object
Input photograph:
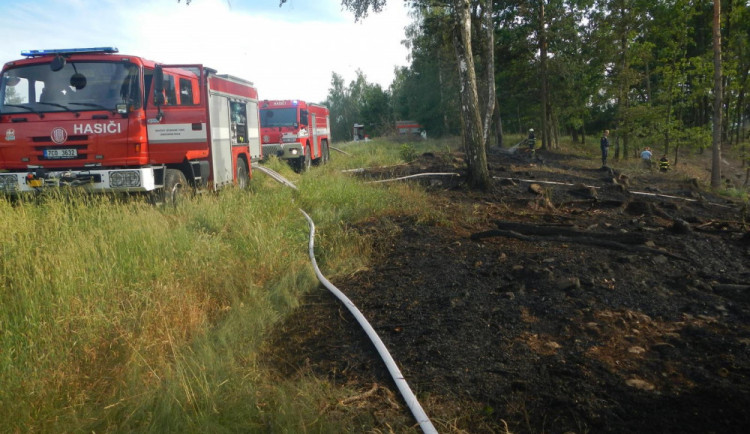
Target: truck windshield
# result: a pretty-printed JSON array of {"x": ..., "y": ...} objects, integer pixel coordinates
[
  {"x": 78, "y": 86},
  {"x": 280, "y": 117}
]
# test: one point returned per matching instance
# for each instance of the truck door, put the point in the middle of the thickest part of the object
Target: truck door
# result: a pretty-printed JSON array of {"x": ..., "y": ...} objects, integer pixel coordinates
[
  {"x": 315, "y": 144},
  {"x": 221, "y": 145},
  {"x": 253, "y": 131},
  {"x": 177, "y": 125}
]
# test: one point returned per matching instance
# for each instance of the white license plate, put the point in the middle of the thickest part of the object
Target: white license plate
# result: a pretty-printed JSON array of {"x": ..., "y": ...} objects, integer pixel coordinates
[{"x": 60, "y": 153}]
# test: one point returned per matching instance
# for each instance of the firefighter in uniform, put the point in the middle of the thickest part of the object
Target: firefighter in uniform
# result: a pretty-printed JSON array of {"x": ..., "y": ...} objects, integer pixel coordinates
[
  {"x": 663, "y": 164},
  {"x": 531, "y": 142}
]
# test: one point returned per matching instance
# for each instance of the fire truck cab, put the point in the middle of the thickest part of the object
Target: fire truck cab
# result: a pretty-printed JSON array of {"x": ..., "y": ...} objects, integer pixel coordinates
[
  {"x": 108, "y": 122},
  {"x": 295, "y": 131}
]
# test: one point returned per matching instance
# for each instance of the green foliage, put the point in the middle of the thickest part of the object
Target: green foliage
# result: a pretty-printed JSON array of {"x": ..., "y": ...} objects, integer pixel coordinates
[
  {"x": 735, "y": 193},
  {"x": 641, "y": 67},
  {"x": 360, "y": 102},
  {"x": 408, "y": 153}
]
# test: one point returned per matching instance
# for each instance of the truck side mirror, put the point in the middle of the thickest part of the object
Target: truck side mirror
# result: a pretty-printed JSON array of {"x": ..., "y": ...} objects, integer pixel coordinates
[
  {"x": 159, "y": 91},
  {"x": 78, "y": 81},
  {"x": 159, "y": 86},
  {"x": 57, "y": 63}
]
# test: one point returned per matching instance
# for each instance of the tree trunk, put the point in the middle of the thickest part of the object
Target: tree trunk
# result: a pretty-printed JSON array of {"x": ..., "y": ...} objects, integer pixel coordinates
[
  {"x": 739, "y": 116},
  {"x": 716, "y": 163},
  {"x": 670, "y": 89},
  {"x": 617, "y": 147},
  {"x": 726, "y": 79},
  {"x": 583, "y": 134},
  {"x": 648, "y": 84},
  {"x": 518, "y": 116},
  {"x": 489, "y": 59},
  {"x": 498, "y": 125},
  {"x": 474, "y": 133},
  {"x": 543, "y": 76},
  {"x": 446, "y": 125},
  {"x": 555, "y": 130}
]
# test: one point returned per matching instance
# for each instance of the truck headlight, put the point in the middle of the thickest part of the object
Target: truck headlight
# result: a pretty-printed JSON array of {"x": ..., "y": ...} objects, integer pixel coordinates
[
  {"x": 8, "y": 182},
  {"x": 125, "y": 178}
]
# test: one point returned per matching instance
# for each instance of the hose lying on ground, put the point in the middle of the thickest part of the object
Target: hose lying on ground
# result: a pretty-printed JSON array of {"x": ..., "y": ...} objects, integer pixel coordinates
[
  {"x": 640, "y": 193},
  {"x": 275, "y": 175},
  {"x": 398, "y": 378},
  {"x": 414, "y": 176}
]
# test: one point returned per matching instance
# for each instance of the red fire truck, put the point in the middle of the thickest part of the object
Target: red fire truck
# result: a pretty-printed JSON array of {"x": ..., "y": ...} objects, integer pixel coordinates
[
  {"x": 295, "y": 131},
  {"x": 103, "y": 121}
]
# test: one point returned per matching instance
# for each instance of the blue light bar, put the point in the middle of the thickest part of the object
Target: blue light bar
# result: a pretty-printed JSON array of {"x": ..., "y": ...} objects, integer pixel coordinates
[{"x": 36, "y": 53}]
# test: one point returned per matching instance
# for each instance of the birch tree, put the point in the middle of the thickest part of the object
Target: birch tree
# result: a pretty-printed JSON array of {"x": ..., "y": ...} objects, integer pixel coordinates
[
  {"x": 716, "y": 163},
  {"x": 475, "y": 121}
]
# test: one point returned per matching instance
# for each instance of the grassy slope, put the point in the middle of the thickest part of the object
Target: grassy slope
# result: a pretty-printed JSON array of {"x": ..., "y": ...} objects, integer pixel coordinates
[{"x": 122, "y": 316}]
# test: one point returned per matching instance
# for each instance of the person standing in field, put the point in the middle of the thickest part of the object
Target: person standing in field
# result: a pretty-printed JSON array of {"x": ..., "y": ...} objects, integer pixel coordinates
[
  {"x": 605, "y": 148},
  {"x": 646, "y": 157}
]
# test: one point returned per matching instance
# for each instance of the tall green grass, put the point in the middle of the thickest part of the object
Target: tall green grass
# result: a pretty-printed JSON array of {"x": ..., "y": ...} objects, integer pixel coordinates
[{"x": 121, "y": 316}]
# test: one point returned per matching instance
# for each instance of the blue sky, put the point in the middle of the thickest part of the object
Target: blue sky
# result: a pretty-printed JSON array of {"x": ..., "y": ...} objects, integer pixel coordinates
[{"x": 288, "y": 52}]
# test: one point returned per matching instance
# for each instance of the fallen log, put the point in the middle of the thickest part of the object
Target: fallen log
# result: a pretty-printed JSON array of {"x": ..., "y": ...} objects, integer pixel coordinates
[
  {"x": 574, "y": 239},
  {"x": 534, "y": 229},
  {"x": 722, "y": 226},
  {"x": 731, "y": 287}
]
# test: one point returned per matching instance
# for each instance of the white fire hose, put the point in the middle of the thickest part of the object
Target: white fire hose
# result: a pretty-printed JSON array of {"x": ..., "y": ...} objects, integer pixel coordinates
[{"x": 398, "y": 377}]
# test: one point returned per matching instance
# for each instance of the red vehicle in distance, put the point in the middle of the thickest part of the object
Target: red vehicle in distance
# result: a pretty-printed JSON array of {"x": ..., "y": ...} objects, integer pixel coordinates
[{"x": 295, "y": 131}]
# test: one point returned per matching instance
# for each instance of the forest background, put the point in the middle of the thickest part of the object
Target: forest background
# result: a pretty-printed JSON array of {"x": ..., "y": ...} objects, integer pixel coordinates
[{"x": 642, "y": 69}]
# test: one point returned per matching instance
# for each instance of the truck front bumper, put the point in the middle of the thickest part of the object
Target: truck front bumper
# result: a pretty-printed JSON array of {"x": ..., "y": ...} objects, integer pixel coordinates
[
  {"x": 283, "y": 151},
  {"x": 140, "y": 179}
]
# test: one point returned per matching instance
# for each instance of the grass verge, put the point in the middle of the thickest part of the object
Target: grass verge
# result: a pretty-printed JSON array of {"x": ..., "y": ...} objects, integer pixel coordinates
[{"x": 119, "y": 316}]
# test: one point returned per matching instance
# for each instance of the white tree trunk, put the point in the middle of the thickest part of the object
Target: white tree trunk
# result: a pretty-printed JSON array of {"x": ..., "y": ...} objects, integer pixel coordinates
[
  {"x": 475, "y": 131},
  {"x": 716, "y": 163}
]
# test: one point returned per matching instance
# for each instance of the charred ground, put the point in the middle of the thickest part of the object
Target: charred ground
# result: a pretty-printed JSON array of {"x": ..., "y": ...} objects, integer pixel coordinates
[{"x": 582, "y": 306}]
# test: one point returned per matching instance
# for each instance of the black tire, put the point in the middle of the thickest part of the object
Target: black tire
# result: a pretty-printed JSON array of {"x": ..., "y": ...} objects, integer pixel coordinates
[
  {"x": 318, "y": 161},
  {"x": 243, "y": 178},
  {"x": 175, "y": 186},
  {"x": 325, "y": 151},
  {"x": 304, "y": 162}
]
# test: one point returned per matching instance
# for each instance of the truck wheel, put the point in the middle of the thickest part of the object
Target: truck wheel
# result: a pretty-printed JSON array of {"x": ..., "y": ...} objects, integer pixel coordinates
[
  {"x": 304, "y": 161},
  {"x": 175, "y": 185},
  {"x": 326, "y": 152},
  {"x": 242, "y": 174}
]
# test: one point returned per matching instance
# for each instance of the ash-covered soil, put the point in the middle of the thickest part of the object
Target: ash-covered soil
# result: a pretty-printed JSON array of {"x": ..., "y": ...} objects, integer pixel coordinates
[{"x": 542, "y": 307}]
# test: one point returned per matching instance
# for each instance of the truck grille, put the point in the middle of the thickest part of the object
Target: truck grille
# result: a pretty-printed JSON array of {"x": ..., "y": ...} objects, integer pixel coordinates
[{"x": 48, "y": 139}]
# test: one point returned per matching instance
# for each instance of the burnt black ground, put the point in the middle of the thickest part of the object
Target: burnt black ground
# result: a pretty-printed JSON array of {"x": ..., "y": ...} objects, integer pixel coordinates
[{"x": 547, "y": 335}]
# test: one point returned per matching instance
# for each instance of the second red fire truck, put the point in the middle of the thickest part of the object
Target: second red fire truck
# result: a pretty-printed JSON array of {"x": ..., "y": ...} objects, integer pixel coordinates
[
  {"x": 296, "y": 131},
  {"x": 109, "y": 122}
]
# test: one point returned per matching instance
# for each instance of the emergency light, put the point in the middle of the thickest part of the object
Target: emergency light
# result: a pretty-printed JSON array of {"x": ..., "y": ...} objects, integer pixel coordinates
[{"x": 35, "y": 53}]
